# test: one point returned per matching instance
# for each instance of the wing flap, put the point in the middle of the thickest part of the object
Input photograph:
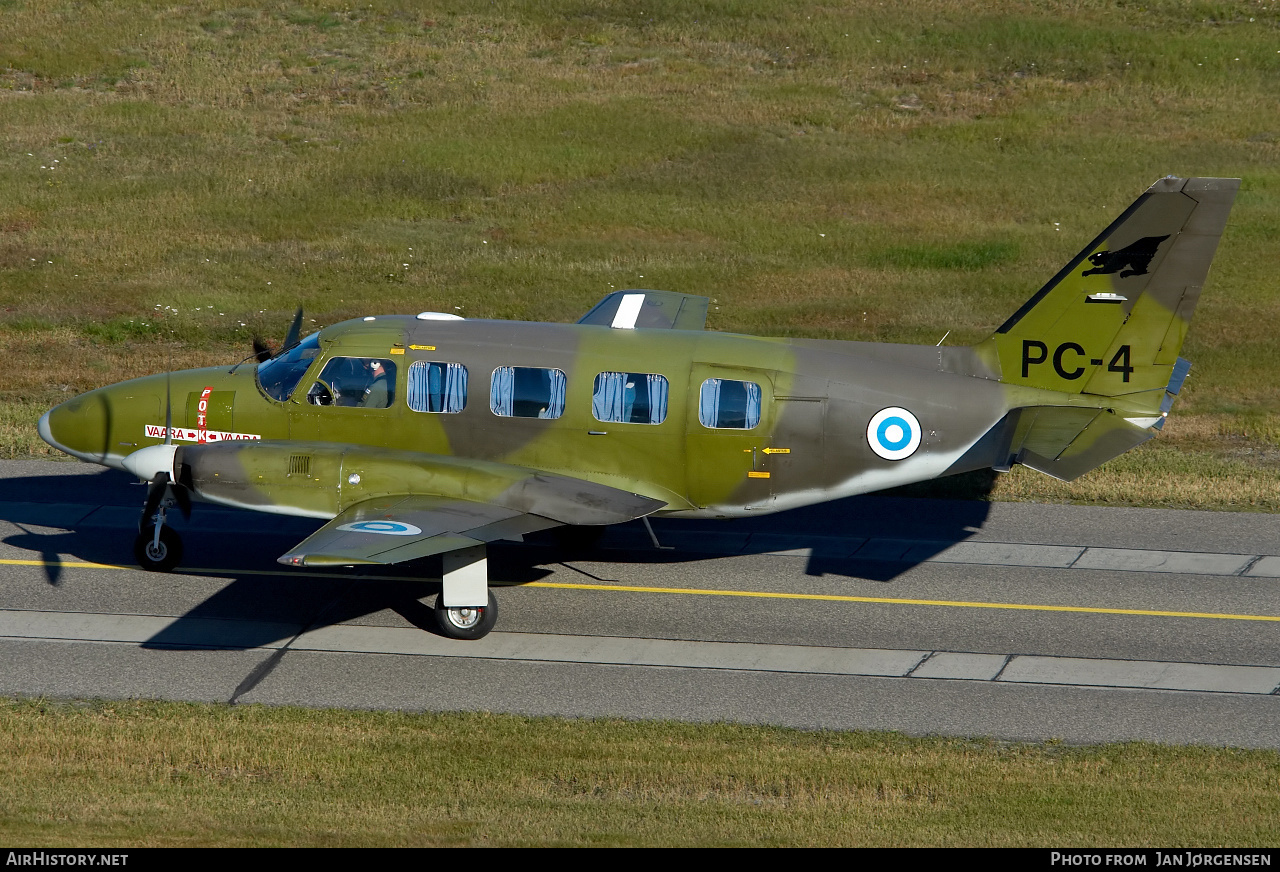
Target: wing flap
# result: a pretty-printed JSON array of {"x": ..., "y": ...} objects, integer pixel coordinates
[{"x": 407, "y": 527}]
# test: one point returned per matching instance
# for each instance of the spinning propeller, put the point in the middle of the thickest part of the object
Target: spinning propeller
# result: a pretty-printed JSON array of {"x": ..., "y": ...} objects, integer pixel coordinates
[
  {"x": 156, "y": 464},
  {"x": 163, "y": 481},
  {"x": 262, "y": 350}
]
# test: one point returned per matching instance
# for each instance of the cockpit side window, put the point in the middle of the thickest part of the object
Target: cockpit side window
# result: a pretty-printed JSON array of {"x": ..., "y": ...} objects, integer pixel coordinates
[
  {"x": 279, "y": 376},
  {"x": 365, "y": 382}
]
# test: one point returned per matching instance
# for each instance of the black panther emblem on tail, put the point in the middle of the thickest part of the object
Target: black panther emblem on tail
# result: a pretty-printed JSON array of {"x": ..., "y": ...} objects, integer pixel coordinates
[{"x": 1136, "y": 256}]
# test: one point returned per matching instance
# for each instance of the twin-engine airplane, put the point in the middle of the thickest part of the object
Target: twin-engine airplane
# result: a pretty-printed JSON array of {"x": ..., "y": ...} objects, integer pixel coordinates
[{"x": 414, "y": 436}]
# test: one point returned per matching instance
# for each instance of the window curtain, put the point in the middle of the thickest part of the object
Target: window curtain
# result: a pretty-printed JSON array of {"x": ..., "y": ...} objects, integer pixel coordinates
[
  {"x": 502, "y": 391},
  {"x": 753, "y": 404},
  {"x": 607, "y": 398},
  {"x": 455, "y": 388},
  {"x": 555, "y": 403},
  {"x": 418, "y": 390},
  {"x": 657, "y": 399},
  {"x": 709, "y": 403}
]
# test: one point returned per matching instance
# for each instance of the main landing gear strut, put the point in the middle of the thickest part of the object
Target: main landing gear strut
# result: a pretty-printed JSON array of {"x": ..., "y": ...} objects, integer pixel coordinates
[{"x": 158, "y": 548}]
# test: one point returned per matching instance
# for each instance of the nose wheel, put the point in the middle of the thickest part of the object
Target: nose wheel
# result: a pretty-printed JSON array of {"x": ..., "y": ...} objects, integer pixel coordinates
[{"x": 158, "y": 548}]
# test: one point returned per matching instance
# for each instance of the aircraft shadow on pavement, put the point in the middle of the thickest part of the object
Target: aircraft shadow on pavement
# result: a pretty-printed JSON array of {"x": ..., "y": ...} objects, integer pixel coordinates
[{"x": 266, "y": 606}]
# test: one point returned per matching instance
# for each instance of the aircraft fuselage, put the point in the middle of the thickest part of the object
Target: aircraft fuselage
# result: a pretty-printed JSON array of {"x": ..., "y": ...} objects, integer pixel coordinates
[{"x": 807, "y": 442}]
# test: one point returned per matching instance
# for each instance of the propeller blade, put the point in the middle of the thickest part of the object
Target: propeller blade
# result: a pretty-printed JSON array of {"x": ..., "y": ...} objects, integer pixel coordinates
[
  {"x": 295, "y": 332},
  {"x": 168, "y": 410},
  {"x": 261, "y": 350}
]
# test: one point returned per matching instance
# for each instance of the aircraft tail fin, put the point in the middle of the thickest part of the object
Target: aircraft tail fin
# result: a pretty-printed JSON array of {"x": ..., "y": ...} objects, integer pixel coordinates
[{"x": 1112, "y": 321}]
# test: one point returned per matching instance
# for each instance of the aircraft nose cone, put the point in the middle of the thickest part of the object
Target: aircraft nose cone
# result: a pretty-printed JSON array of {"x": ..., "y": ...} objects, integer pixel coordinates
[
  {"x": 46, "y": 432},
  {"x": 78, "y": 427}
]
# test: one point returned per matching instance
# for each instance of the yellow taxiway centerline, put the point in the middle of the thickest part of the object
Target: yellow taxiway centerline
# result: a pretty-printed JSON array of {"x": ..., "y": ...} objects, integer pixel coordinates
[
  {"x": 830, "y": 597},
  {"x": 66, "y": 564},
  {"x": 695, "y": 591}
]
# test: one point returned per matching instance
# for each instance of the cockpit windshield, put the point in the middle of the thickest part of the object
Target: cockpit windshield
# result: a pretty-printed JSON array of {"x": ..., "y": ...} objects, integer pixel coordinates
[{"x": 280, "y": 375}]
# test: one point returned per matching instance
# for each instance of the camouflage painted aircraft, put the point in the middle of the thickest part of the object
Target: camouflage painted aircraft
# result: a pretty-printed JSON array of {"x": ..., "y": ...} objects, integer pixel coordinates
[{"x": 412, "y": 436}]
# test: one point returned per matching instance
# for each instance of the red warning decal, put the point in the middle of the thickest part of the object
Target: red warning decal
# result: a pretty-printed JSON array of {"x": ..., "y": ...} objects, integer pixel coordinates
[{"x": 202, "y": 416}]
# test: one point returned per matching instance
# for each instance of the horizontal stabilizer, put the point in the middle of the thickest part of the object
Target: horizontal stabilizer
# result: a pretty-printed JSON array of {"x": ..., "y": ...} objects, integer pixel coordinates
[
  {"x": 663, "y": 310},
  {"x": 1106, "y": 436},
  {"x": 1062, "y": 441}
]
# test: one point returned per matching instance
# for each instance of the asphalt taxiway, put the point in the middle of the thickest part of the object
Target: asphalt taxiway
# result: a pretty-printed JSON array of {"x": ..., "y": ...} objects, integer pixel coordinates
[{"x": 1015, "y": 621}]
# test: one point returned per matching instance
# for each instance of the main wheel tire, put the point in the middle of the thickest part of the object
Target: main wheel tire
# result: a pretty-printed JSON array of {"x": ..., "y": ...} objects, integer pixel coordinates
[
  {"x": 157, "y": 558},
  {"x": 466, "y": 623}
]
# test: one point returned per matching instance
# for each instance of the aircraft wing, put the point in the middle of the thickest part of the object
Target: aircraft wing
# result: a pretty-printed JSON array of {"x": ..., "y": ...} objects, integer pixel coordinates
[
  {"x": 399, "y": 527},
  {"x": 627, "y": 310},
  {"x": 405, "y": 527}
]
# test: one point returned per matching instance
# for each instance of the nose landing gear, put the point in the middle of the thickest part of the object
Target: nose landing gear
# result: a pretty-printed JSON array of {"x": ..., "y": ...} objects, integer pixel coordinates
[{"x": 158, "y": 548}]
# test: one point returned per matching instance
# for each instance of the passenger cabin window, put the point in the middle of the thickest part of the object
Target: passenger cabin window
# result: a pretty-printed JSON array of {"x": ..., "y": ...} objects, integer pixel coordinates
[
  {"x": 630, "y": 398},
  {"x": 527, "y": 392},
  {"x": 280, "y": 375},
  {"x": 364, "y": 382},
  {"x": 437, "y": 387},
  {"x": 727, "y": 404}
]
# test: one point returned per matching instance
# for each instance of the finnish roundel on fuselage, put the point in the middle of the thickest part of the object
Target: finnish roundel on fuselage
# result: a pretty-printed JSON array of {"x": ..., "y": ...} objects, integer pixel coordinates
[
  {"x": 383, "y": 528},
  {"x": 893, "y": 433}
]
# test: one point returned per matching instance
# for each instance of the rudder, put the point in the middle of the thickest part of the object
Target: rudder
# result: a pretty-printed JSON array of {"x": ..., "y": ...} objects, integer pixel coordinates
[{"x": 1111, "y": 323}]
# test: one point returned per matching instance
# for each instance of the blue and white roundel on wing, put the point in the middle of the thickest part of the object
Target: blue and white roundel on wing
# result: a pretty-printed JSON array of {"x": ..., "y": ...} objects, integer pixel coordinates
[
  {"x": 384, "y": 528},
  {"x": 894, "y": 433}
]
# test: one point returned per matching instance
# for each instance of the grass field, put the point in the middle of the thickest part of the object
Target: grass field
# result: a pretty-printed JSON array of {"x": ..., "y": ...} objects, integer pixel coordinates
[
  {"x": 177, "y": 177},
  {"x": 168, "y": 774}
]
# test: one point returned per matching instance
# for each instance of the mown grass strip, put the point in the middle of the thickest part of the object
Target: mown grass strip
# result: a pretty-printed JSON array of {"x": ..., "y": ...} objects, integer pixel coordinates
[{"x": 140, "y": 773}]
